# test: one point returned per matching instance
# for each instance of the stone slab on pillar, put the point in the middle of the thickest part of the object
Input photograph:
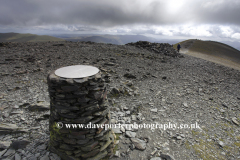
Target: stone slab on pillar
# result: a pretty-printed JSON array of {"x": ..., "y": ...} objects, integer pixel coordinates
[{"x": 78, "y": 98}]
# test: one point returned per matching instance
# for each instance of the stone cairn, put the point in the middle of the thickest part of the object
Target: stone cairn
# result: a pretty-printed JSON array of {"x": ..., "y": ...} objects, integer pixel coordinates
[{"x": 79, "y": 101}]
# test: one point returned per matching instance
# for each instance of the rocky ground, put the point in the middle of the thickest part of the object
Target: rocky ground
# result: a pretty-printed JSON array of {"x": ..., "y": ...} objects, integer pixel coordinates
[{"x": 147, "y": 84}]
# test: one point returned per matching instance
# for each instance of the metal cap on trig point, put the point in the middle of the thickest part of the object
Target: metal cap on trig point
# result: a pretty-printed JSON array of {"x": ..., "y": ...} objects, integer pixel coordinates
[{"x": 77, "y": 71}]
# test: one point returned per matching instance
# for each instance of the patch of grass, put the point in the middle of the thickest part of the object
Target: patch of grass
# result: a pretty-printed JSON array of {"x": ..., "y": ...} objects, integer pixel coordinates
[
  {"x": 237, "y": 144},
  {"x": 187, "y": 145},
  {"x": 230, "y": 133},
  {"x": 238, "y": 138},
  {"x": 207, "y": 150},
  {"x": 195, "y": 133}
]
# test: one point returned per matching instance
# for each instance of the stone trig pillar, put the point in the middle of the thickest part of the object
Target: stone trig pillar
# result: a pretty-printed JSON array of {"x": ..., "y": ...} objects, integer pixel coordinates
[{"x": 77, "y": 101}]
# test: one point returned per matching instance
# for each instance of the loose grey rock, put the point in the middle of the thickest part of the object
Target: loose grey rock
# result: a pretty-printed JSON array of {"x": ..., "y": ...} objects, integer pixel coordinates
[
  {"x": 10, "y": 152},
  {"x": 3, "y": 152},
  {"x": 45, "y": 157},
  {"x": 117, "y": 154},
  {"x": 11, "y": 128},
  {"x": 185, "y": 104},
  {"x": 17, "y": 156},
  {"x": 153, "y": 110},
  {"x": 156, "y": 158},
  {"x": 129, "y": 75},
  {"x": 4, "y": 144},
  {"x": 16, "y": 112},
  {"x": 134, "y": 117},
  {"x": 117, "y": 130},
  {"x": 221, "y": 143},
  {"x": 235, "y": 121},
  {"x": 19, "y": 144},
  {"x": 167, "y": 156},
  {"x": 130, "y": 134},
  {"x": 139, "y": 144},
  {"x": 40, "y": 106}
]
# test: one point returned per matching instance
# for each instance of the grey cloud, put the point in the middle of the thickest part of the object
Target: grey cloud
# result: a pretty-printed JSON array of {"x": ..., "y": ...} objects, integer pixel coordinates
[
  {"x": 224, "y": 12},
  {"x": 101, "y": 14}
]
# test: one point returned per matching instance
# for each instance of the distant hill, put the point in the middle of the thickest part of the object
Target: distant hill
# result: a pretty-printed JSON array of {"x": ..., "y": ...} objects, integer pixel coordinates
[
  {"x": 212, "y": 51},
  {"x": 113, "y": 39},
  {"x": 17, "y": 37}
]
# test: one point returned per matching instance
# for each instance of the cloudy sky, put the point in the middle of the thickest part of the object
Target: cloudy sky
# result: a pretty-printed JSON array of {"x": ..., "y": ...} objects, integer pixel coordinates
[{"x": 202, "y": 19}]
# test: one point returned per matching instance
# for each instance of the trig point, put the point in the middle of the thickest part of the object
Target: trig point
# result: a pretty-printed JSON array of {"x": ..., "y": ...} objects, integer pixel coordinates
[{"x": 77, "y": 97}]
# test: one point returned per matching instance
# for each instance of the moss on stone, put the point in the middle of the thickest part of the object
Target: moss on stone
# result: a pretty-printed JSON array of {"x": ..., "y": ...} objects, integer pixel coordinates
[{"x": 54, "y": 131}]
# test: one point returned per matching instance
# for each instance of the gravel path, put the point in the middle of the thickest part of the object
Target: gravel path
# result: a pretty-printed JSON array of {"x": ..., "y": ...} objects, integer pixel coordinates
[
  {"x": 161, "y": 90},
  {"x": 216, "y": 59}
]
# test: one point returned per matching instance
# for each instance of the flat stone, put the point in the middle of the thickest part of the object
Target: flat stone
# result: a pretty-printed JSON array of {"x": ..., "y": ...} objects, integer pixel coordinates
[
  {"x": 69, "y": 152},
  {"x": 225, "y": 105},
  {"x": 122, "y": 129},
  {"x": 166, "y": 156},
  {"x": 109, "y": 64},
  {"x": 221, "y": 143},
  {"x": 66, "y": 147},
  {"x": 131, "y": 134},
  {"x": 89, "y": 147},
  {"x": 156, "y": 158},
  {"x": 117, "y": 130},
  {"x": 81, "y": 80},
  {"x": 128, "y": 75},
  {"x": 90, "y": 154},
  {"x": 69, "y": 140},
  {"x": 54, "y": 156},
  {"x": 99, "y": 156},
  {"x": 19, "y": 144},
  {"x": 3, "y": 152},
  {"x": 53, "y": 77},
  {"x": 80, "y": 137},
  {"x": 11, "y": 128},
  {"x": 139, "y": 144},
  {"x": 117, "y": 154},
  {"x": 105, "y": 145},
  {"x": 179, "y": 137},
  {"x": 101, "y": 134},
  {"x": 134, "y": 117},
  {"x": 4, "y": 144},
  {"x": 9, "y": 152},
  {"x": 234, "y": 119},
  {"x": 17, "y": 156},
  {"x": 128, "y": 127},
  {"x": 70, "y": 88},
  {"x": 40, "y": 106},
  {"x": 128, "y": 112},
  {"x": 185, "y": 104},
  {"x": 45, "y": 157},
  {"x": 84, "y": 141},
  {"x": 153, "y": 110},
  {"x": 81, "y": 93},
  {"x": 42, "y": 147},
  {"x": 79, "y": 133},
  {"x": 115, "y": 91},
  {"x": 83, "y": 120},
  {"x": 76, "y": 71},
  {"x": 16, "y": 112},
  {"x": 37, "y": 155},
  {"x": 153, "y": 152}
]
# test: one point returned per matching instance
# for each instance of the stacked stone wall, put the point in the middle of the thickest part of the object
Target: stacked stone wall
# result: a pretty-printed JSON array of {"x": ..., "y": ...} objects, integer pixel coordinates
[{"x": 79, "y": 101}]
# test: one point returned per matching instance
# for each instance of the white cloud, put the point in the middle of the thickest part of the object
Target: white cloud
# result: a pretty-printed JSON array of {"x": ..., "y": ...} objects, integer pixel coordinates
[
  {"x": 236, "y": 36},
  {"x": 198, "y": 31},
  {"x": 227, "y": 31}
]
